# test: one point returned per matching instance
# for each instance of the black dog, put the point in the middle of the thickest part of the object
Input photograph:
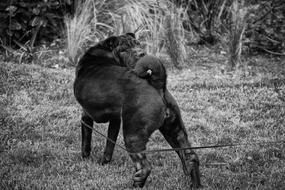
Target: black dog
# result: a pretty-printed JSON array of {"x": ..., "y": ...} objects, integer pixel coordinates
[{"x": 110, "y": 92}]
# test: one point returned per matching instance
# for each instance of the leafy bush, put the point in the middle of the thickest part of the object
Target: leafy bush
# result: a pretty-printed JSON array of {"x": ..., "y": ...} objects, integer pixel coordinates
[
  {"x": 24, "y": 23},
  {"x": 266, "y": 27}
]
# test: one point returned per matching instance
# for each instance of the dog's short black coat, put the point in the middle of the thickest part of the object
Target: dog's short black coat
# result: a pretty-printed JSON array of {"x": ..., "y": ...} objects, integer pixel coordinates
[{"x": 109, "y": 91}]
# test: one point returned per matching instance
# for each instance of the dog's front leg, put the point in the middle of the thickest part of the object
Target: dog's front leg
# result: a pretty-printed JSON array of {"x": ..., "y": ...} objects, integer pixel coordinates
[
  {"x": 86, "y": 135},
  {"x": 113, "y": 131}
]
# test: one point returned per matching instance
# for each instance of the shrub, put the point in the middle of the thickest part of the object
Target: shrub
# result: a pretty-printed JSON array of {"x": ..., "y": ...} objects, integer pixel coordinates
[{"x": 25, "y": 23}]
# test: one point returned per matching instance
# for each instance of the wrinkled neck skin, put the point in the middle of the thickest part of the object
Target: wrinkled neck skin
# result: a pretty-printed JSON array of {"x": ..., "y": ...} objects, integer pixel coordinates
[{"x": 127, "y": 59}]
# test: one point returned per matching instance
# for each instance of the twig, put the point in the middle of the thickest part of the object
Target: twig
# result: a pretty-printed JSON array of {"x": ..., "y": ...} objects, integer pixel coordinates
[{"x": 271, "y": 52}]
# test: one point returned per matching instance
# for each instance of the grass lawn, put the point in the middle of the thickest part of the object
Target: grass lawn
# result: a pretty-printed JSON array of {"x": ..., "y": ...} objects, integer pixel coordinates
[{"x": 40, "y": 130}]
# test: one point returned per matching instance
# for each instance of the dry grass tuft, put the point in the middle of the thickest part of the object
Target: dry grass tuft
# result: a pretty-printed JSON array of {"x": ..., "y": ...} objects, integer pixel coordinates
[
  {"x": 162, "y": 27},
  {"x": 78, "y": 30},
  {"x": 82, "y": 28},
  {"x": 160, "y": 24},
  {"x": 137, "y": 14}
]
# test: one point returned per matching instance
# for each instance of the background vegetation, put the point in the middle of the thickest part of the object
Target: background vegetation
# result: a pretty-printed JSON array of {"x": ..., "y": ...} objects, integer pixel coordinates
[
  {"x": 230, "y": 87},
  {"x": 165, "y": 25}
]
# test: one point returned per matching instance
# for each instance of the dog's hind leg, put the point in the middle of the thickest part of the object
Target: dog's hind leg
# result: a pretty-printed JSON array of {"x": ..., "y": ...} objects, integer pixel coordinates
[
  {"x": 176, "y": 136},
  {"x": 135, "y": 142},
  {"x": 86, "y": 135},
  {"x": 142, "y": 169},
  {"x": 113, "y": 131}
]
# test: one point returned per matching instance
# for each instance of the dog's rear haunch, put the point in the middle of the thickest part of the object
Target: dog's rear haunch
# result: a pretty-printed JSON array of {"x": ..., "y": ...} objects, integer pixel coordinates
[{"x": 109, "y": 91}]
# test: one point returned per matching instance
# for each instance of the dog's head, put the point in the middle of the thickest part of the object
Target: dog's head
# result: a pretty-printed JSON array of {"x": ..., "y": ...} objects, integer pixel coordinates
[
  {"x": 152, "y": 69},
  {"x": 126, "y": 49}
]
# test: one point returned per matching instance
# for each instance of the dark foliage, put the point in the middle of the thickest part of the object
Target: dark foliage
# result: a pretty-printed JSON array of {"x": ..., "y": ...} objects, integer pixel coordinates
[
  {"x": 25, "y": 23},
  {"x": 265, "y": 28}
]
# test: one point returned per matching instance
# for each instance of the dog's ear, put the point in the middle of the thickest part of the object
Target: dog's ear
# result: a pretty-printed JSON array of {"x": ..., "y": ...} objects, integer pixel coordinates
[
  {"x": 111, "y": 43},
  {"x": 131, "y": 34}
]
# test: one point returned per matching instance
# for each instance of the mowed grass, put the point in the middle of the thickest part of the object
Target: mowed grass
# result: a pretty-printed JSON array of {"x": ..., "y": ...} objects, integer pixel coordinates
[{"x": 40, "y": 131}]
